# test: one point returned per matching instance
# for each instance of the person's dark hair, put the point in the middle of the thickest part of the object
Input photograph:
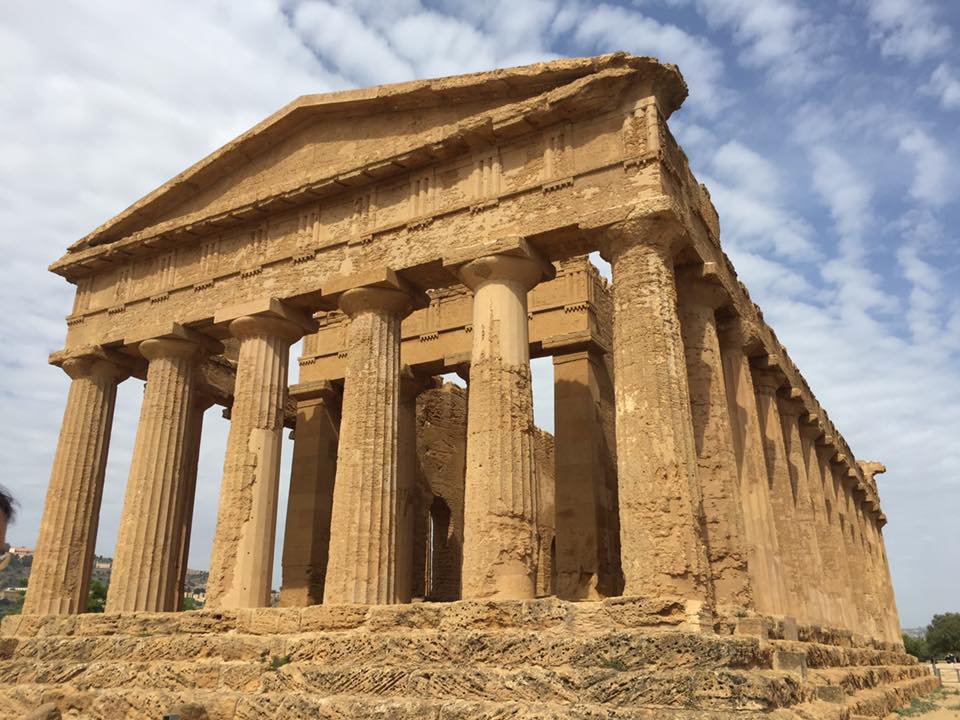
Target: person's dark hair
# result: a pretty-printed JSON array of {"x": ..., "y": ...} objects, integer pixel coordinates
[{"x": 7, "y": 504}]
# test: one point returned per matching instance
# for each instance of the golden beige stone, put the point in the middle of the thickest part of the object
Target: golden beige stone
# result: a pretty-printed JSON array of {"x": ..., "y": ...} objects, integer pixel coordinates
[
  {"x": 60, "y": 575},
  {"x": 723, "y": 546}
]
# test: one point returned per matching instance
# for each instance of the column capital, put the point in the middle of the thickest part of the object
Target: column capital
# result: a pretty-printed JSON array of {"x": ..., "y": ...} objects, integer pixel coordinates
[
  {"x": 316, "y": 391},
  {"x": 391, "y": 301},
  {"x": 251, "y": 326},
  {"x": 737, "y": 331},
  {"x": 700, "y": 285},
  {"x": 266, "y": 316},
  {"x": 789, "y": 403},
  {"x": 413, "y": 383},
  {"x": 768, "y": 380},
  {"x": 94, "y": 361},
  {"x": 505, "y": 259},
  {"x": 155, "y": 348},
  {"x": 381, "y": 289},
  {"x": 176, "y": 332},
  {"x": 810, "y": 429},
  {"x": 661, "y": 231}
]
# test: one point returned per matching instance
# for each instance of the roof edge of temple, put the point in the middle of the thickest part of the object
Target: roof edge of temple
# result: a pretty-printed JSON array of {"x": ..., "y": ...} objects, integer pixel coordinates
[{"x": 669, "y": 84}]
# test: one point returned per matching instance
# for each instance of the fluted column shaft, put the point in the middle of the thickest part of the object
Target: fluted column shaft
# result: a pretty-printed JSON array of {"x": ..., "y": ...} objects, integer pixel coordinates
[
  {"x": 855, "y": 552},
  {"x": 871, "y": 570},
  {"x": 241, "y": 564},
  {"x": 814, "y": 581},
  {"x": 834, "y": 511},
  {"x": 765, "y": 561},
  {"x": 587, "y": 536},
  {"x": 829, "y": 552},
  {"x": 188, "y": 492},
  {"x": 500, "y": 547},
  {"x": 306, "y": 540},
  {"x": 60, "y": 577},
  {"x": 363, "y": 526},
  {"x": 766, "y": 383},
  {"x": 891, "y": 614},
  {"x": 146, "y": 556},
  {"x": 410, "y": 387},
  {"x": 716, "y": 462},
  {"x": 661, "y": 530}
]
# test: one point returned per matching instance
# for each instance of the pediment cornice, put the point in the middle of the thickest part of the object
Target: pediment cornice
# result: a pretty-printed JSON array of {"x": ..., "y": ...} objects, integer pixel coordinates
[{"x": 585, "y": 85}]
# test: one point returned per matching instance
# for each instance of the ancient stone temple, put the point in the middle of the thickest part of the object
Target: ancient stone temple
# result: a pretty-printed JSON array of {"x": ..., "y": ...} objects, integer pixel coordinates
[{"x": 696, "y": 541}]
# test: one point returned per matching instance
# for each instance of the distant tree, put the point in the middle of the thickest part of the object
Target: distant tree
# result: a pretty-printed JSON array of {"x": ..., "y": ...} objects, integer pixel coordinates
[
  {"x": 97, "y": 599},
  {"x": 189, "y": 603},
  {"x": 7, "y": 504},
  {"x": 916, "y": 646},
  {"x": 943, "y": 634}
]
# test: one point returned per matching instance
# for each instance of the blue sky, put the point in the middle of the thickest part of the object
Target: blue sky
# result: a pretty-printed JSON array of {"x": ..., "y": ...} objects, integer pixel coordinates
[{"x": 826, "y": 133}]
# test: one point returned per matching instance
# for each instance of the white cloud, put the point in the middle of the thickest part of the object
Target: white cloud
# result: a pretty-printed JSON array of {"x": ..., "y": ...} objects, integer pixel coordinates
[
  {"x": 604, "y": 28},
  {"x": 910, "y": 29},
  {"x": 846, "y": 193},
  {"x": 934, "y": 181},
  {"x": 777, "y": 36},
  {"x": 944, "y": 85}
]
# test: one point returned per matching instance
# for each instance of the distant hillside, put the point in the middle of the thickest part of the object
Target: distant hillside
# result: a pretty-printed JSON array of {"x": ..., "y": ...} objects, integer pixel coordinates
[{"x": 19, "y": 570}]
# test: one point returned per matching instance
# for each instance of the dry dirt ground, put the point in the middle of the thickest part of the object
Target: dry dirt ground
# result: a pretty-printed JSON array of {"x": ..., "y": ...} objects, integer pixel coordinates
[{"x": 942, "y": 704}]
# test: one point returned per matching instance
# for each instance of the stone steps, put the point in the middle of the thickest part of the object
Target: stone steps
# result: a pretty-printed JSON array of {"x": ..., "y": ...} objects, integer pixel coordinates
[
  {"x": 821, "y": 655},
  {"x": 498, "y": 661},
  {"x": 115, "y": 704},
  {"x": 708, "y": 689},
  {"x": 852, "y": 680},
  {"x": 502, "y": 649}
]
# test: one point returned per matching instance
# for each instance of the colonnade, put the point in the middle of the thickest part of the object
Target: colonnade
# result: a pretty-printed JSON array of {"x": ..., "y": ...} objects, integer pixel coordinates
[{"x": 731, "y": 493}]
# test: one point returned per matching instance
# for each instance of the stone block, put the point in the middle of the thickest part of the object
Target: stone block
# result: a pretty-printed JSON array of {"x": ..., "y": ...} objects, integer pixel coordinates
[
  {"x": 208, "y": 621},
  {"x": 326, "y": 618},
  {"x": 753, "y": 627},
  {"x": 414, "y": 616},
  {"x": 789, "y": 629},
  {"x": 794, "y": 663},
  {"x": 832, "y": 694},
  {"x": 269, "y": 621}
]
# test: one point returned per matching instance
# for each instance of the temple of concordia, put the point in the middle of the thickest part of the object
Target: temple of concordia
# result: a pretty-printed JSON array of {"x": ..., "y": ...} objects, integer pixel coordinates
[{"x": 697, "y": 541}]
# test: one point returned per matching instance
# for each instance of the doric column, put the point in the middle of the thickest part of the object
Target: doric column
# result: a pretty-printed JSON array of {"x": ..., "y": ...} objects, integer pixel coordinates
[
  {"x": 661, "y": 530},
  {"x": 147, "y": 557},
  {"x": 833, "y": 570},
  {"x": 852, "y": 541},
  {"x": 834, "y": 512},
  {"x": 363, "y": 528},
  {"x": 411, "y": 385},
  {"x": 306, "y": 539},
  {"x": 891, "y": 615},
  {"x": 876, "y": 521},
  {"x": 871, "y": 566},
  {"x": 188, "y": 493},
  {"x": 765, "y": 559},
  {"x": 766, "y": 383},
  {"x": 716, "y": 462},
  {"x": 60, "y": 577},
  {"x": 241, "y": 564},
  {"x": 500, "y": 505},
  {"x": 811, "y": 566},
  {"x": 587, "y": 528}
]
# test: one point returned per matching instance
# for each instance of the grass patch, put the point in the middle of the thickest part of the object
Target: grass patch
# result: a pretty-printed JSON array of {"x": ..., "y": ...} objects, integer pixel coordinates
[
  {"x": 278, "y": 661},
  {"x": 918, "y": 706},
  {"x": 614, "y": 664}
]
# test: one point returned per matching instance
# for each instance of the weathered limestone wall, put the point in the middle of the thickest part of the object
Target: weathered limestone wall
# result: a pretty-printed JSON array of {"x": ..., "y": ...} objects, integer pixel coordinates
[{"x": 683, "y": 474}]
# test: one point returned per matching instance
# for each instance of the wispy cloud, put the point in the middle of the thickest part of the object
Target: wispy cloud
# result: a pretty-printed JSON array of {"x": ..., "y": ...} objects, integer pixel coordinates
[{"x": 910, "y": 29}]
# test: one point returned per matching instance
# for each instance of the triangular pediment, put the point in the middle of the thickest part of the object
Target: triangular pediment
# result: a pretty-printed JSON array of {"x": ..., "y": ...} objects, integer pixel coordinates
[{"x": 367, "y": 134}]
